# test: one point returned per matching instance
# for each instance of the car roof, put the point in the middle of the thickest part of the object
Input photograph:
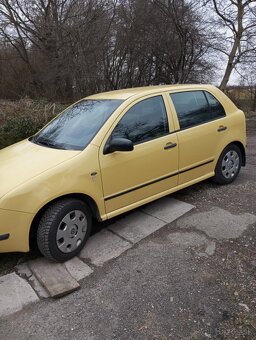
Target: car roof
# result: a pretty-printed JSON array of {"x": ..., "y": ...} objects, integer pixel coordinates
[{"x": 147, "y": 90}]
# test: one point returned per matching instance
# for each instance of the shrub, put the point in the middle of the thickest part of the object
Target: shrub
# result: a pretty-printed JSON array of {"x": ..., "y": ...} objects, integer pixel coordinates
[{"x": 21, "y": 119}]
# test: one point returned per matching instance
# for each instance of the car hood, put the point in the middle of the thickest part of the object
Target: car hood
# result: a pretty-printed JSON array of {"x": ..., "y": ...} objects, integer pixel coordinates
[{"x": 22, "y": 161}]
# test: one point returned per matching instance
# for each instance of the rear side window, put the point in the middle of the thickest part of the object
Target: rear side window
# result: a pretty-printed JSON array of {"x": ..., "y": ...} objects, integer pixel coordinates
[
  {"x": 196, "y": 107},
  {"x": 144, "y": 121},
  {"x": 216, "y": 109}
]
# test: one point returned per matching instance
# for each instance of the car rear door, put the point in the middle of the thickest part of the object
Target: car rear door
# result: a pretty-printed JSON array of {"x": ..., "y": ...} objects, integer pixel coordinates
[{"x": 202, "y": 125}]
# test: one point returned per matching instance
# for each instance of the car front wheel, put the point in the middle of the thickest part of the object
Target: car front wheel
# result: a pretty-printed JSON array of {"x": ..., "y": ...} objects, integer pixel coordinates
[
  {"x": 229, "y": 165},
  {"x": 64, "y": 229}
]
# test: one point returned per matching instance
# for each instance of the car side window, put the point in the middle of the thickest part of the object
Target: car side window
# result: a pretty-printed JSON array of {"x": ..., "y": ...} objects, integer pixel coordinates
[
  {"x": 196, "y": 107},
  {"x": 146, "y": 120},
  {"x": 216, "y": 109}
]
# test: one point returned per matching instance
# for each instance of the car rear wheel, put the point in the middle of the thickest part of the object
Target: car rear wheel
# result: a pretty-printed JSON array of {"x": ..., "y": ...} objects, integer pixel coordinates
[
  {"x": 229, "y": 165},
  {"x": 64, "y": 229}
]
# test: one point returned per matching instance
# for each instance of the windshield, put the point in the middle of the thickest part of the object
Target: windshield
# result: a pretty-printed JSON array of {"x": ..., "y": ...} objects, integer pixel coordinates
[{"x": 77, "y": 125}]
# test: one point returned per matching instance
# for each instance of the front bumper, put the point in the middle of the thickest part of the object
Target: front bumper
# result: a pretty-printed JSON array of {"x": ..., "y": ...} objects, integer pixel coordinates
[{"x": 14, "y": 231}]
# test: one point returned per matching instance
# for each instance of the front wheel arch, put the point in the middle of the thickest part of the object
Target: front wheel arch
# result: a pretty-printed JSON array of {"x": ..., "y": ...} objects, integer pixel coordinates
[{"x": 35, "y": 223}]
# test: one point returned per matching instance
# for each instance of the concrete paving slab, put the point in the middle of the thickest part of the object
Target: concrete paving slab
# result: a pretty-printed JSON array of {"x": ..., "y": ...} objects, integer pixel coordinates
[
  {"x": 38, "y": 287},
  {"x": 54, "y": 277},
  {"x": 103, "y": 247},
  {"x": 218, "y": 223},
  {"x": 167, "y": 209},
  {"x": 78, "y": 269},
  {"x": 24, "y": 271},
  {"x": 136, "y": 226},
  {"x": 15, "y": 293}
]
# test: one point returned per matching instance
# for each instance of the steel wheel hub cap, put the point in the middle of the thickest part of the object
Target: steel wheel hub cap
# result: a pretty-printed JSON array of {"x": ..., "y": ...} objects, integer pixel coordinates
[
  {"x": 230, "y": 164},
  {"x": 71, "y": 231}
]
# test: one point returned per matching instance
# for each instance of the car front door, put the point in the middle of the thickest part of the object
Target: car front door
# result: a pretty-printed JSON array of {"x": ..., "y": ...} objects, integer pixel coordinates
[
  {"x": 151, "y": 168},
  {"x": 201, "y": 136}
]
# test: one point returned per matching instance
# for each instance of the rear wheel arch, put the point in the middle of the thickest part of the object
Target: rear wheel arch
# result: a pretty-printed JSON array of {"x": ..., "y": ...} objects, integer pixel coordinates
[
  {"x": 35, "y": 223},
  {"x": 240, "y": 146},
  {"x": 242, "y": 149}
]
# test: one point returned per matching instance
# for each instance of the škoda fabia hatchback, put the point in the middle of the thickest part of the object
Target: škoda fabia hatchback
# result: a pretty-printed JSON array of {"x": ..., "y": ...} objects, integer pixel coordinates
[{"x": 110, "y": 153}]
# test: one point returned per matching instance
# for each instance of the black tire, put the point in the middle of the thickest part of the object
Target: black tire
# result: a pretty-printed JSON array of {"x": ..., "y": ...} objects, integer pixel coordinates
[
  {"x": 220, "y": 173},
  {"x": 50, "y": 225}
]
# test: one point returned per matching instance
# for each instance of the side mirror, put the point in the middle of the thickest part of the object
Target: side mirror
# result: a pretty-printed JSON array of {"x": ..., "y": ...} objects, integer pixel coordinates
[{"x": 118, "y": 144}]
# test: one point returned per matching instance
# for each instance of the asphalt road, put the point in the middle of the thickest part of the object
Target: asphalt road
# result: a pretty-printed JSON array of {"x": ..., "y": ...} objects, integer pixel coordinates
[{"x": 183, "y": 282}]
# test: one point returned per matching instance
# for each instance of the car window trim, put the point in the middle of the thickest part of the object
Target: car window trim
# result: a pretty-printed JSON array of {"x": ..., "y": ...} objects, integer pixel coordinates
[{"x": 206, "y": 122}]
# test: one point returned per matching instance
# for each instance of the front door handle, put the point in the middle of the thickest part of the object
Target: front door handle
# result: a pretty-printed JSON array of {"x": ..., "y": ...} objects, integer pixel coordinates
[
  {"x": 170, "y": 146},
  {"x": 222, "y": 128}
]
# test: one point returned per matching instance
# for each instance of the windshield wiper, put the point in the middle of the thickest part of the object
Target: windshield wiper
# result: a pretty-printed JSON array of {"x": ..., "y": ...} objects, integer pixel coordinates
[{"x": 46, "y": 142}]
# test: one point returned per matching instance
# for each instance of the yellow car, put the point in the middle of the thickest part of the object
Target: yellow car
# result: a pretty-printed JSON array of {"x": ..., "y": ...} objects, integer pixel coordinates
[{"x": 110, "y": 153}]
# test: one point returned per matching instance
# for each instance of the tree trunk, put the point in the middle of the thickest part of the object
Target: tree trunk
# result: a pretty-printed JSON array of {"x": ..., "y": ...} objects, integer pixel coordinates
[
  {"x": 233, "y": 59},
  {"x": 254, "y": 100},
  {"x": 230, "y": 65}
]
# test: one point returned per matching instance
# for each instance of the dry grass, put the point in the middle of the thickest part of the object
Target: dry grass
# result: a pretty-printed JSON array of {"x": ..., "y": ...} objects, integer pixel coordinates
[{"x": 243, "y": 98}]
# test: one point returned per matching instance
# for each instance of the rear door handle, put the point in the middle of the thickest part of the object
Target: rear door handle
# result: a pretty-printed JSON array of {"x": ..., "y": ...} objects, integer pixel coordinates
[
  {"x": 170, "y": 146},
  {"x": 222, "y": 128}
]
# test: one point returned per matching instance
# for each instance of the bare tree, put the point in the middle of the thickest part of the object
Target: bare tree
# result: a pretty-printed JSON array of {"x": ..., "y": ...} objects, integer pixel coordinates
[
  {"x": 248, "y": 85},
  {"x": 236, "y": 23},
  {"x": 51, "y": 36},
  {"x": 64, "y": 49},
  {"x": 182, "y": 36},
  {"x": 155, "y": 42}
]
